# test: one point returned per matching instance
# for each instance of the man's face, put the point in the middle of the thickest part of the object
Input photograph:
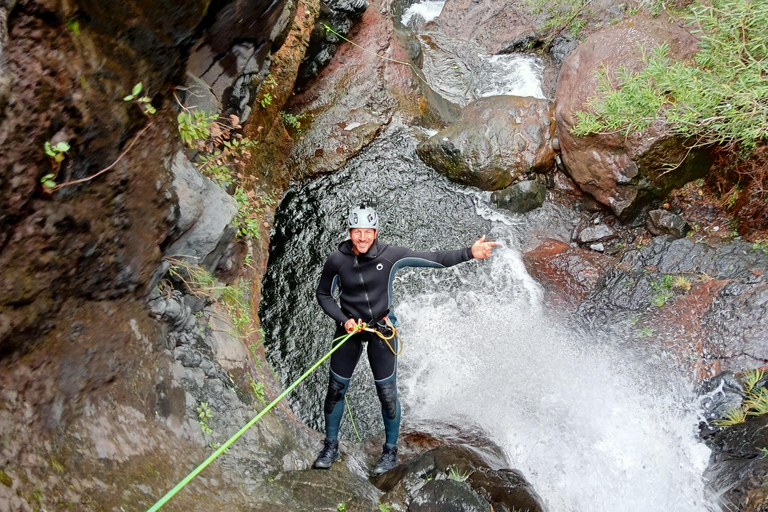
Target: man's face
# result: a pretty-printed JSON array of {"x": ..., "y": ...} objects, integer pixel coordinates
[{"x": 362, "y": 239}]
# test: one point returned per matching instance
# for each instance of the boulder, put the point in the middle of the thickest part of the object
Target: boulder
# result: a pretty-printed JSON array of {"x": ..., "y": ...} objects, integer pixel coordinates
[
  {"x": 204, "y": 218},
  {"x": 664, "y": 222},
  {"x": 597, "y": 233},
  {"x": 495, "y": 140},
  {"x": 567, "y": 273},
  {"x": 521, "y": 197},
  {"x": 623, "y": 172}
]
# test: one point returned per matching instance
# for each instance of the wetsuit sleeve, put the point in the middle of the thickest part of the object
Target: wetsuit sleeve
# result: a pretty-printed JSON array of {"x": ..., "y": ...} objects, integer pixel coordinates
[
  {"x": 329, "y": 279},
  {"x": 404, "y": 257}
]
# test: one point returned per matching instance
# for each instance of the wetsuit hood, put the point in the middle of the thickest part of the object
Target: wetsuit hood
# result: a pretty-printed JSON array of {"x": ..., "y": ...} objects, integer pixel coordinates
[{"x": 346, "y": 248}]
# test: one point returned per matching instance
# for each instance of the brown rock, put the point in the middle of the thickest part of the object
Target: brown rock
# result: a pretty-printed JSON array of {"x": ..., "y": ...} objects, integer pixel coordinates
[
  {"x": 494, "y": 140},
  {"x": 623, "y": 172},
  {"x": 353, "y": 97},
  {"x": 566, "y": 272}
]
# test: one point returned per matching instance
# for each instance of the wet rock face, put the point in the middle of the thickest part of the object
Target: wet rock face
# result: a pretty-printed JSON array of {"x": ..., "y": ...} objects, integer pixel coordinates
[
  {"x": 664, "y": 222},
  {"x": 707, "y": 304},
  {"x": 737, "y": 467},
  {"x": 426, "y": 483},
  {"x": 567, "y": 273},
  {"x": 494, "y": 141},
  {"x": 621, "y": 172},
  {"x": 340, "y": 15},
  {"x": 521, "y": 197},
  {"x": 232, "y": 56},
  {"x": 353, "y": 97}
]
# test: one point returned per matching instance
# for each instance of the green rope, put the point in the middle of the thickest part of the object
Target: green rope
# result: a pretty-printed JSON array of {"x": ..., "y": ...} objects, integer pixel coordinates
[
  {"x": 234, "y": 438},
  {"x": 352, "y": 419},
  {"x": 329, "y": 29}
]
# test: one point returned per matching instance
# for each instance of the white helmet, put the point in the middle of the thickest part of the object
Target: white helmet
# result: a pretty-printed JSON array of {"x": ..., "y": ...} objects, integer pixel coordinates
[{"x": 363, "y": 217}]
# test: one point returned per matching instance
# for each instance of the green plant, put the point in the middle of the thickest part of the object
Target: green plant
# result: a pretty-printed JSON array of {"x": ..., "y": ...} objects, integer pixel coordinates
[
  {"x": 644, "y": 332},
  {"x": 292, "y": 120},
  {"x": 761, "y": 246},
  {"x": 204, "y": 414},
  {"x": 721, "y": 96},
  {"x": 661, "y": 298},
  {"x": 73, "y": 26},
  {"x": 259, "y": 391},
  {"x": 757, "y": 404},
  {"x": 194, "y": 125},
  {"x": 341, "y": 507},
  {"x": 57, "y": 152},
  {"x": 383, "y": 507},
  {"x": 751, "y": 378},
  {"x": 732, "y": 417},
  {"x": 458, "y": 475},
  {"x": 681, "y": 283},
  {"x": 266, "y": 100},
  {"x": 764, "y": 451},
  {"x": 143, "y": 101},
  {"x": 246, "y": 221}
]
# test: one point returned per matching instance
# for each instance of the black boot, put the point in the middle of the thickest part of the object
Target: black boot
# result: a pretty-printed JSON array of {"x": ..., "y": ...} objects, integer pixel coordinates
[
  {"x": 388, "y": 459},
  {"x": 328, "y": 455}
]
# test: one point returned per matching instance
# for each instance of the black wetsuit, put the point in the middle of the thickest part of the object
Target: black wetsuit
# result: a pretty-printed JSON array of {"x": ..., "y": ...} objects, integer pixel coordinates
[{"x": 365, "y": 282}]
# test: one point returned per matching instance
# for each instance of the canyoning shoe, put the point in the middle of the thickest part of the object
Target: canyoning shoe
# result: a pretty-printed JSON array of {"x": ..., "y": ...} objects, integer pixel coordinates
[
  {"x": 387, "y": 461},
  {"x": 328, "y": 455}
]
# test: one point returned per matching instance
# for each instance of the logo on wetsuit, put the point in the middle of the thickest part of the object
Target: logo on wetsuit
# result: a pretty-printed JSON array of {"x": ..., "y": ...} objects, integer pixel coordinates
[{"x": 379, "y": 266}]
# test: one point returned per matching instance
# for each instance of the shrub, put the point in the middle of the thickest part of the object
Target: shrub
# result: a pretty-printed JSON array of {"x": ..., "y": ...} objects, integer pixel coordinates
[{"x": 720, "y": 97}]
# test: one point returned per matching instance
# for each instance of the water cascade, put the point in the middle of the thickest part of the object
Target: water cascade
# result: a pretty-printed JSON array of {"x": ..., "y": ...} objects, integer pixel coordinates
[{"x": 594, "y": 424}]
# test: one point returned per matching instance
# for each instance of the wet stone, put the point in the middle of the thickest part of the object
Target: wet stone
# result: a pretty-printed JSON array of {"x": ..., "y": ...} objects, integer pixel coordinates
[
  {"x": 664, "y": 222},
  {"x": 188, "y": 357},
  {"x": 521, "y": 197},
  {"x": 447, "y": 496},
  {"x": 598, "y": 233}
]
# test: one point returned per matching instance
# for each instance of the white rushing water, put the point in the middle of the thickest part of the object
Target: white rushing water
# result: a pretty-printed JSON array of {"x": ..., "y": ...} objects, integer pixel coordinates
[
  {"x": 429, "y": 10},
  {"x": 593, "y": 426}
]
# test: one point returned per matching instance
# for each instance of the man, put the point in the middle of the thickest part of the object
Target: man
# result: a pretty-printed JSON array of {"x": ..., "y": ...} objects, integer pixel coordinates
[{"x": 363, "y": 268}]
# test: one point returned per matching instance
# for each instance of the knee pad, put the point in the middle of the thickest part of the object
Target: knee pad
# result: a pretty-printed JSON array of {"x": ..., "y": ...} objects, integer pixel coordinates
[
  {"x": 337, "y": 388},
  {"x": 387, "y": 391}
]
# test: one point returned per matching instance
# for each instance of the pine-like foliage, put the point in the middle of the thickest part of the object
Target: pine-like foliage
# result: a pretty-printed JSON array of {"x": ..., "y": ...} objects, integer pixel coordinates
[{"x": 719, "y": 97}]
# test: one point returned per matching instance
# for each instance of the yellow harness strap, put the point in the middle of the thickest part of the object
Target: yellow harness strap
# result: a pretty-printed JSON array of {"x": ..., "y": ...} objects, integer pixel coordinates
[{"x": 386, "y": 339}]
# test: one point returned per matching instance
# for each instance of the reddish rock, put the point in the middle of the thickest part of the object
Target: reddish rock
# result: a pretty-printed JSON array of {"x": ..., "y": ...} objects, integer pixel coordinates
[
  {"x": 567, "y": 273},
  {"x": 623, "y": 172},
  {"x": 354, "y": 96}
]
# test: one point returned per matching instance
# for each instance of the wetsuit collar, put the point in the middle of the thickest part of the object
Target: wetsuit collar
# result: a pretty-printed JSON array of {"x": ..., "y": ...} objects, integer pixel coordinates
[{"x": 346, "y": 248}]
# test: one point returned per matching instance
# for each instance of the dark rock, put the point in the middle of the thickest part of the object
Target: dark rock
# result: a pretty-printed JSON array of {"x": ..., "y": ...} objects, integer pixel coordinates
[
  {"x": 720, "y": 395},
  {"x": 494, "y": 140},
  {"x": 447, "y": 496},
  {"x": 737, "y": 467},
  {"x": 598, "y": 233},
  {"x": 232, "y": 56},
  {"x": 205, "y": 215},
  {"x": 624, "y": 173},
  {"x": 664, "y": 222},
  {"x": 188, "y": 357},
  {"x": 484, "y": 484},
  {"x": 339, "y": 15},
  {"x": 561, "y": 48},
  {"x": 521, "y": 197}
]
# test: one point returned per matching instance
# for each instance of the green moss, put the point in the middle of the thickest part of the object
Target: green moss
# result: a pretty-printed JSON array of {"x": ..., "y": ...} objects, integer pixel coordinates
[{"x": 5, "y": 479}]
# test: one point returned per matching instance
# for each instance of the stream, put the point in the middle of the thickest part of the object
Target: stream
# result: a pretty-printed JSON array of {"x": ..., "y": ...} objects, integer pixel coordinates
[{"x": 594, "y": 422}]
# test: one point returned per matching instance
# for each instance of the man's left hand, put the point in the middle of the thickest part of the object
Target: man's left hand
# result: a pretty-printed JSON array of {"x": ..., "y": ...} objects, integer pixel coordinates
[{"x": 482, "y": 249}]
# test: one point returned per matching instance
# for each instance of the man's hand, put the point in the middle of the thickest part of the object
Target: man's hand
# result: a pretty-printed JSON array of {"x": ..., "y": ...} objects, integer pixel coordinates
[
  {"x": 350, "y": 325},
  {"x": 482, "y": 249}
]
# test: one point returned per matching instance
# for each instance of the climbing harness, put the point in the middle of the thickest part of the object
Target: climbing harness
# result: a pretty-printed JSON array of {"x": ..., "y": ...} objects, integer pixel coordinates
[
  {"x": 223, "y": 448},
  {"x": 386, "y": 339}
]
